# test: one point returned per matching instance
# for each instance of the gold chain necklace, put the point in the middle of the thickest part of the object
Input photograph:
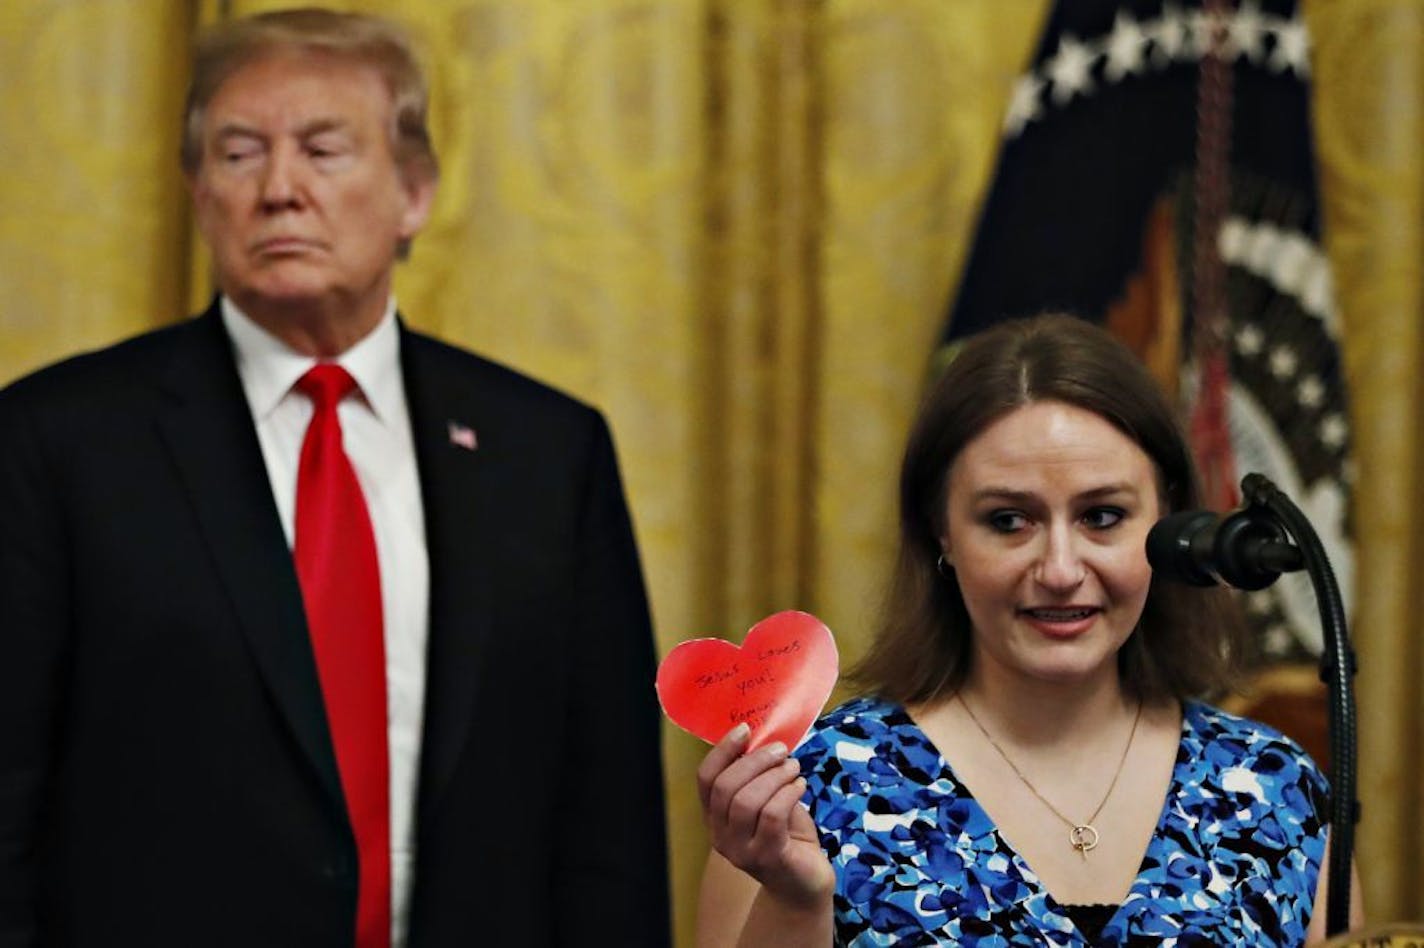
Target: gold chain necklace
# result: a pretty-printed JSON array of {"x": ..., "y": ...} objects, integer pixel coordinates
[{"x": 1081, "y": 836}]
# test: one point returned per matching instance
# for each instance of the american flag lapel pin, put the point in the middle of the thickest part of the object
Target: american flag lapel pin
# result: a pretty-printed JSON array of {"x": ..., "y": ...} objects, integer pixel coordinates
[{"x": 462, "y": 435}]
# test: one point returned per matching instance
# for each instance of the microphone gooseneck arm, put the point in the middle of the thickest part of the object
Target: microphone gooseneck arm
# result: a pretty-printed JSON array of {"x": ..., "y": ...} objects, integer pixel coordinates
[{"x": 1337, "y": 668}]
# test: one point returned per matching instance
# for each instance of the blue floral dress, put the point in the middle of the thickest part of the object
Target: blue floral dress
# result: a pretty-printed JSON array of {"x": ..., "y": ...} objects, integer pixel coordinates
[{"x": 1234, "y": 859}]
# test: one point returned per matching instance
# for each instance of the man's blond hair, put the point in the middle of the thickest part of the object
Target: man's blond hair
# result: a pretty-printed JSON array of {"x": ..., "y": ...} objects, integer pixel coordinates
[{"x": 348, "y": 37}]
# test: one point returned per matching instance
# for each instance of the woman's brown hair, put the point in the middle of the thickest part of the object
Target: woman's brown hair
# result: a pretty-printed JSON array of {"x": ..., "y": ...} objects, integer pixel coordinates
[{"x": 1189, "y": 642}]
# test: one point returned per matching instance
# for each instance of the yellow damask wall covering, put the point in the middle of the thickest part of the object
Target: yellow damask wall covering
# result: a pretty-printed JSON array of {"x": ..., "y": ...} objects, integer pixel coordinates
[{"x": 734, "y": 225}]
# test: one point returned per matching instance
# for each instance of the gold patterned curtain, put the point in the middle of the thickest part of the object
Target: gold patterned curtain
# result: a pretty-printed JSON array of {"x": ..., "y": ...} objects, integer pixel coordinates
[
  {"x": 1369, "y": 114},
  {"x": 93, "y": 229},
  {"x": 734, "y": 225}
]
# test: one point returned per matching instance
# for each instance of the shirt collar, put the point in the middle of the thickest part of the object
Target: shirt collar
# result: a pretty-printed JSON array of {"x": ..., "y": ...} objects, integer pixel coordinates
[{"x": 269, "y": 368}]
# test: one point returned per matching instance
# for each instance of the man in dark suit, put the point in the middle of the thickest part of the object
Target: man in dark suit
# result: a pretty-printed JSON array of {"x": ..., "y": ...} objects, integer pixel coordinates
[{"x": 239, "y": 712}]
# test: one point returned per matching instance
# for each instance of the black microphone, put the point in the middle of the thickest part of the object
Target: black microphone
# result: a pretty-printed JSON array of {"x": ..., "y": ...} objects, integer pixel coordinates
[{"x": 1246, "y": 548}]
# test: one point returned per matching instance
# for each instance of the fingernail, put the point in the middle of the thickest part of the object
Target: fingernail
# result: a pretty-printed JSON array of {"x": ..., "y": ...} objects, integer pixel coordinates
[
  {"x": 740, "y": 732},
  {"x": 778, "y": 749}
]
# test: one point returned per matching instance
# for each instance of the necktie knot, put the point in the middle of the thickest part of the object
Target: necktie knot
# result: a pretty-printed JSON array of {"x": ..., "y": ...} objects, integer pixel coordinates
[{"x": 326, "y": 384}]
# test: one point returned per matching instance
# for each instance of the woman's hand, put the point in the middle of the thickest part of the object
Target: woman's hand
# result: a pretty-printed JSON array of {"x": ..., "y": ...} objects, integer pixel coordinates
[{"x": 750, "y": 803}]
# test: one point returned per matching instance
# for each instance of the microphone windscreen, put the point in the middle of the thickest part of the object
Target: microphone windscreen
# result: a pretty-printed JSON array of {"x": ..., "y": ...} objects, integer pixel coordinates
[{"x": 1172, "y": 552}]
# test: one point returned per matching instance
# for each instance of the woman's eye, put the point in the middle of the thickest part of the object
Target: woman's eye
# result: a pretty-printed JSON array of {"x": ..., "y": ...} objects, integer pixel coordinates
[
  {"x": 1101, "y": 518},
  {"x": 1006, "y": 521}
]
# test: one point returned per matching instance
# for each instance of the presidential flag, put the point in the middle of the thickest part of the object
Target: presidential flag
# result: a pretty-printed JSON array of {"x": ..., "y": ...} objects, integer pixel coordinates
[{"x": 1157, "y": 175}]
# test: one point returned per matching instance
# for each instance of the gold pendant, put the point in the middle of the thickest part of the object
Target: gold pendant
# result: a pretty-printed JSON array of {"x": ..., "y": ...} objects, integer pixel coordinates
[{"x": 1083, "y": 838}]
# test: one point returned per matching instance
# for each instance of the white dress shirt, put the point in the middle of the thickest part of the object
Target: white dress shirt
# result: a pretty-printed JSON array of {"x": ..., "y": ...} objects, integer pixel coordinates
[{"x": 375, "y": 427}]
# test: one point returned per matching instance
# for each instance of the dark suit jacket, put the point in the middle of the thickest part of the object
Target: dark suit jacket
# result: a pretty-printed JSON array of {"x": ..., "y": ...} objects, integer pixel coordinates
[{"x": 166, "y": 773}]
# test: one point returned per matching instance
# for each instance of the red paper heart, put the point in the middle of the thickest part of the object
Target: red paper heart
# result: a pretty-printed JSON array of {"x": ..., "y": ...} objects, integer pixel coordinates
[{"x": 777, "y": 681}]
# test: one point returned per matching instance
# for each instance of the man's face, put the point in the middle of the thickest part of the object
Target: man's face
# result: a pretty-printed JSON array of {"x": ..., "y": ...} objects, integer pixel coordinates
[{"x": 298, "y": 193}]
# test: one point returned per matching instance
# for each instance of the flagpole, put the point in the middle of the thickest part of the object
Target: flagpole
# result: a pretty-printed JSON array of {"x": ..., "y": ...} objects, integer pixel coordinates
[{"x": 1210, "y": 433}]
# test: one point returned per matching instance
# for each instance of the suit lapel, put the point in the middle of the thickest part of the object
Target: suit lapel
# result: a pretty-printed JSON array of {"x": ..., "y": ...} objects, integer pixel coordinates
[
  {"x": 455, "y": 493},
  {"x": 208, "y": 428}
]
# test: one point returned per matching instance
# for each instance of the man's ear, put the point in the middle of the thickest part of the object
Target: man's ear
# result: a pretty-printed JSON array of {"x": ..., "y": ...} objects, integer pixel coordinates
[{"x": 420, "y": 197}]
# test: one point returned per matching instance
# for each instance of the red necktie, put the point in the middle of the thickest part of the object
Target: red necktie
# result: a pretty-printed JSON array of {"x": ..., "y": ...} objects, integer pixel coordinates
[{"x": 341, "y": 587}]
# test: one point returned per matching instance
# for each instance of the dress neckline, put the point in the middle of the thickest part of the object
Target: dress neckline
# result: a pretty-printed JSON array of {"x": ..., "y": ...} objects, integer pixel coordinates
[{"x": 1088, "y": 912}]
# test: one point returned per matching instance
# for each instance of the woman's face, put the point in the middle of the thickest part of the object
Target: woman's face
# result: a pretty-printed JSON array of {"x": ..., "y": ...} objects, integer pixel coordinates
[{"x": 1047, "y": 517}]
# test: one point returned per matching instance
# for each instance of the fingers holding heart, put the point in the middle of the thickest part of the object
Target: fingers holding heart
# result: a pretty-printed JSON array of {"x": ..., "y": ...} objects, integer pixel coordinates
[
  {"x": 753, "y": 702},
  {"x": 749, "y": 806}
]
